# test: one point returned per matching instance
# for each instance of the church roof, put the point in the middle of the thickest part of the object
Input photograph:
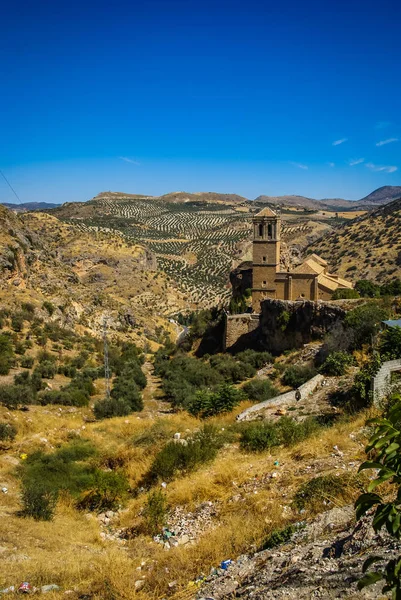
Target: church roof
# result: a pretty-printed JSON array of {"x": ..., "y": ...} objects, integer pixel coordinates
[{"x": 266, "y": 212}]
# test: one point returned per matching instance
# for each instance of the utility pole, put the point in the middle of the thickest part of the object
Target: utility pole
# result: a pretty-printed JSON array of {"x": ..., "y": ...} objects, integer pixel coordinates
[{"x": 106, "y": 360}]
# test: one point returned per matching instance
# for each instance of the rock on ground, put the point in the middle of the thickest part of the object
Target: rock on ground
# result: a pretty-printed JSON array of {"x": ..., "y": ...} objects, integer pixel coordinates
[{"x": 324, "y": 560}]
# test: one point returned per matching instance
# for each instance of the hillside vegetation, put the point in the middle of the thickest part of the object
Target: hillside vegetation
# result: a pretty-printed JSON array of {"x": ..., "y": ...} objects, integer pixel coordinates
[
  {"x": 366, "y": 248},
  {"x": 85, "y": 275}
]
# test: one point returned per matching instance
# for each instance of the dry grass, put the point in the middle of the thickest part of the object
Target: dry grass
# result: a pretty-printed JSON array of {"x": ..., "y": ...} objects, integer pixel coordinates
[{"x": 70, "y": 552}]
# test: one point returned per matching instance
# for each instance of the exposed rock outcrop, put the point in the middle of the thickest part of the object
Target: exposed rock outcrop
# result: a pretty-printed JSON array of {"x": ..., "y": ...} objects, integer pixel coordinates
[{"x": 284, "y": 325}]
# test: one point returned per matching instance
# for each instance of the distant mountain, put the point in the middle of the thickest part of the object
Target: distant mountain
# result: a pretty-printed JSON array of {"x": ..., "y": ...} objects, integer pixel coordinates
[
  {"x": 304, "y": 202},
  {"x": 24, "y": 207},
  {"x": 175, "y": 197},
  {"x": 367, "y": 247},
  {"x": 381, "y": 196}
]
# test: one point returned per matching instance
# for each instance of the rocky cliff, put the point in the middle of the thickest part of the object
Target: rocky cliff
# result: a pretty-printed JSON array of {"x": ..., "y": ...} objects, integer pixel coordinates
[{"x": 284, "y": 325}]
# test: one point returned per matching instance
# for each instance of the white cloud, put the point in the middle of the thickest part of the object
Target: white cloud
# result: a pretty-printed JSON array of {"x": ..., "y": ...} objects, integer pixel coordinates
[
  {"x": 355, "y": 161},
  {"x": 382, "y": 168},
  {"x": 129, "y": 160},
  {"x": 382, "y": 124},
  {"x": 388, "y": 141},
  {"x": 338, "y": 142},
  {"x": 299, "y": 165},
  {"x": 331, "y": 164}
]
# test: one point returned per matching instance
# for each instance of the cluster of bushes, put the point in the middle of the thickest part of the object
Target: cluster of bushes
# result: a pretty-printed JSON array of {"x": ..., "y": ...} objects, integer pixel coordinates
[
  {"x": 259, "y": 390},
  {"x": 337, "y": 363},
  {"x": 258, "y": 436},
  {"x": 204, "y": 387},
  {"x": 296, "y": 375},
  {"x": 72, "y": 470},
  {"x": 207, "y": 403},
  {"x": 367, "y": 289},
  {"x": 179, "y": 457},
  {"x": 125, "y": 396}
]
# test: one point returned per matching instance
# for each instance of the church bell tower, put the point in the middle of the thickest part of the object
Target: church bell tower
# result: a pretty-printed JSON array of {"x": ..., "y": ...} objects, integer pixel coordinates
[{"x": 266, "y": 256}]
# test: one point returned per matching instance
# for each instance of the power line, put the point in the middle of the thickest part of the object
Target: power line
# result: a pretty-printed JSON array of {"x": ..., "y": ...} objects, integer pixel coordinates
[
  {"x": 106, "y": 359},
  {"x": 10, "y": 186}
]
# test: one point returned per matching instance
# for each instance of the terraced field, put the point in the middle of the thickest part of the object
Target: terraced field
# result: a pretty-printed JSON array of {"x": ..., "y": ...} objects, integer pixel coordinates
[{"x": 196, "y": 244}]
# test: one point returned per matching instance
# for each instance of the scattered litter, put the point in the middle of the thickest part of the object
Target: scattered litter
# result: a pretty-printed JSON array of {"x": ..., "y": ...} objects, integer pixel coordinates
[
  {"x": 4, "y": 490},
  {"x": 225, "y": 564},
  {"x": 51, "y": 587},
  {"x": 8, "y": 590},
  {"x": 276, "y": 463},
  {"x": 164, "y": 485},
  {"x": 139, "y": 583},
  {"x": 177, "y": 436},
  {"x": 23, "y": 456},
  {"x": 25, "y": 588}
]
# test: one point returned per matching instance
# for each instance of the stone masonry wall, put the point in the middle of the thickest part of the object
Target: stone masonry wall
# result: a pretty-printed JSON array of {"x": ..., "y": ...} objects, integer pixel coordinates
[
  {"x": 382, "y": 381},
  {"x": 239, "y": 325}
]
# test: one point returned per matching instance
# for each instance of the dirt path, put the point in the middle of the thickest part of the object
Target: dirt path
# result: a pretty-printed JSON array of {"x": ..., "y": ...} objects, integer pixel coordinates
[{"x": 152, "y": 395}]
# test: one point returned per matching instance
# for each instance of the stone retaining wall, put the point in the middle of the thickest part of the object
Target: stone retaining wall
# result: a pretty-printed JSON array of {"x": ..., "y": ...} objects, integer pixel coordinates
[
  {"x": 382, "y": 381},
  {"x": 239, "y": 325},
  {"x": 305, "y": 389}
]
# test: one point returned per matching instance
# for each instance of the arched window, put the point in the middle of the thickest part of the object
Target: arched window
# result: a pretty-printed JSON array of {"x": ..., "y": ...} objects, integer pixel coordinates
[
  {"x": 261, "y": 230},
  {"x": 269, "y": 231}
]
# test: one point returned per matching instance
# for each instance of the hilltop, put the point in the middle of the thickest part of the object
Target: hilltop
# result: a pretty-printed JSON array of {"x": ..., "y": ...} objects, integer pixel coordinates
[
  {"x": 382, "y": 195},
  {"x": 367, "y": 248},
  {"x": 26, "y": 206}
]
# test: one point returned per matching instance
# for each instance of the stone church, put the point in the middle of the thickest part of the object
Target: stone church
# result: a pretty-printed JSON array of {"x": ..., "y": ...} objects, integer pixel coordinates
[{"x": 308, "y": 281}]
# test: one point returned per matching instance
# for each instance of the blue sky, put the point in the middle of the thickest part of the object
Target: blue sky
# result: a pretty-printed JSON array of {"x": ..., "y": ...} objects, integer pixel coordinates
[{"x": 151, "y": 96}]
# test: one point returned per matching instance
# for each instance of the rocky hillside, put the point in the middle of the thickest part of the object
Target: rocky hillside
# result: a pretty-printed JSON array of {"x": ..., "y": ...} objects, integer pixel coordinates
[
  {"x": 366, "y": 248},
  {"x": 85, "y": 275},
  {"x": 382, "y": 195}
]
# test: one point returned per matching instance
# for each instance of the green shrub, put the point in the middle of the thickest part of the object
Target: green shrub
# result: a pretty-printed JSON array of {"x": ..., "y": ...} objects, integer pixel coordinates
[
  {"x": 230, "y": 369},
  {"x": 258, "y": 436},
  {"x": 13, "y": 396},
  {"x": 126, "y": 390},
  {"x": 17, "y": 322},
  {"x": 49, "y": 307},
  {"x": 46, "y": 370},
  {"x": 281, "y": 536},
  {"x": 365, "y": 322},
  {"x": 26, "y": 362},
  {"x": 179, "y": 458},
  {"x": 256, "y": 359},
  {"x": 6, "y": 354},
  {"x": 367, "y": 289},
  {"x": 38, "y": 500},
  {"x": 345, "y": 294},
  {"x": 384, "y": 449},
  {"x": 8, "y": 431},
  {"x": 106, "y": 409},
  {"x": 337, "y": 363},
  {"x": 316, "y": 494},
  {"x": 206, "y": 403},
  {"x": 390, "y": 343},
  {"x": 297, "y": 375},
  {"x": 259, "y": 390},
  {"x": 155, "y": 512},
  {"x": 107, "y": 491},
  {"x": 70, "y": 469}
]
